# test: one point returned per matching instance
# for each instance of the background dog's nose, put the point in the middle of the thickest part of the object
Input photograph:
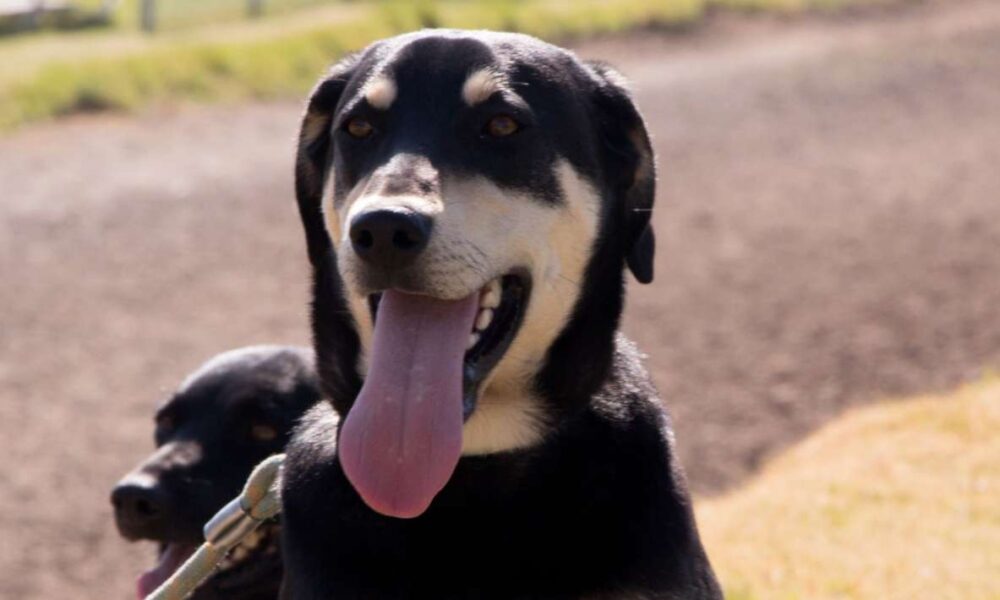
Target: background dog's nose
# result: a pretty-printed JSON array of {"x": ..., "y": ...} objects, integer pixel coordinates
[
  {"x": 139, "y": 508},
  {"x": 389, "y": 238}
]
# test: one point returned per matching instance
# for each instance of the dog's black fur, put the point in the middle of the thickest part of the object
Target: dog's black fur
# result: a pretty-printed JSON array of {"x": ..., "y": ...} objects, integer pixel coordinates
[
  {"x": 236, "y": 410},
  {"x": 599, "y": 507}
]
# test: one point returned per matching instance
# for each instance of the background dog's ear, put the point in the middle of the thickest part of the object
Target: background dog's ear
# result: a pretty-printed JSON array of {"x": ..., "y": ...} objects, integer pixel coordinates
[
  {"x": 314, "y": 156},
  {"x": 629, "y": 166}
]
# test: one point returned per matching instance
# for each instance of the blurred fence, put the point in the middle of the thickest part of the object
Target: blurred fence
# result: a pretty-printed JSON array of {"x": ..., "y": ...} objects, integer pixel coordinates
[
  {"x": 148, "y": 15},
  {"x": 26, "y": 15}
]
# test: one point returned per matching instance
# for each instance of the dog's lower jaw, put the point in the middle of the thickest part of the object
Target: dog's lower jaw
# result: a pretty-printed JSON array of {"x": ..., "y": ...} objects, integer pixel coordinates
[{"x": 503, "y": 423}]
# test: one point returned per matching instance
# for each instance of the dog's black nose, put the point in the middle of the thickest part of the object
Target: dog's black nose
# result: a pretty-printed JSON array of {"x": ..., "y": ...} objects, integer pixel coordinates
[
  {"x": 140, "y": 508},
  {"x": 389, "y": 238}
]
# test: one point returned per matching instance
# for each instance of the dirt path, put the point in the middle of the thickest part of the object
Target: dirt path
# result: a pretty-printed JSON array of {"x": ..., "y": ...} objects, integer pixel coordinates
[{"x": 829, "y": 228}]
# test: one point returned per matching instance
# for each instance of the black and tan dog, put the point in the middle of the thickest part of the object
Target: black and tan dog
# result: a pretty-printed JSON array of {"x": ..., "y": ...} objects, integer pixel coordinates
[
  {"x": 234, "y": 411},
  {"x": 470, "y": 203}
]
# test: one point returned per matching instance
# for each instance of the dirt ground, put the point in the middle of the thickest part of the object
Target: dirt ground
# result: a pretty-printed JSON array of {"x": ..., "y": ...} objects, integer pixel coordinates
[{"x": 828, "y": 219}]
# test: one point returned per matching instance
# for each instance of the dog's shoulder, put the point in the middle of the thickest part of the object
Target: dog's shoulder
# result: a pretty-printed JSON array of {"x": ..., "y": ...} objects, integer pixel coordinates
[
  {"x": 617, "y": 459},
  {"x": 313, "y": 441},
  {"x": 628, "y": 394}
]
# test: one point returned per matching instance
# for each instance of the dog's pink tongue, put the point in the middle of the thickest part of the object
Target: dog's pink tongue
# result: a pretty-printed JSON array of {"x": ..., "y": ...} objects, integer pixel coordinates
[
  {"x": 402, "y": 438},
  {"x": 171, "y": 559}
]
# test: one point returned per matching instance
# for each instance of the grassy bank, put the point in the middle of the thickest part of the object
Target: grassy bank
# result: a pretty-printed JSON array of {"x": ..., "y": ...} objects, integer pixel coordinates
[
  {"x": 54, "y": 75},
  {"x": 891, "y": 502}
]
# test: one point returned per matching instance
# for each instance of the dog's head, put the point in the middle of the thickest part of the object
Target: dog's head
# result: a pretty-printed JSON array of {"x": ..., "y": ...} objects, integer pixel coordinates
[
  {"x": 470, "y": 201},
  {"x": 230, "y": 414}
]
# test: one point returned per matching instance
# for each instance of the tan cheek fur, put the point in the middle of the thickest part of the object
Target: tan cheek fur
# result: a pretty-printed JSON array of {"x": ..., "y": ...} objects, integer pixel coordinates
[
  {"x": 555, "y": 244},
  {"x": 337, "y": 219},
  {"x": 330, "y": 216}
]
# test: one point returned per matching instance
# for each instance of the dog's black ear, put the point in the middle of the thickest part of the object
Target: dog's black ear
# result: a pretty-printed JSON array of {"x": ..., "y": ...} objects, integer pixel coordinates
[
  {"x": 314, "y": 156},
  {"x": 629, "y": 166}
]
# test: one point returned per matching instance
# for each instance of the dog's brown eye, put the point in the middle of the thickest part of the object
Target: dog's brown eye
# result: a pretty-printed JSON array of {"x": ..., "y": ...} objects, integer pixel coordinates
[
  {"x": 263, "y": 433},
  {"x": 359, "y": 128},
  {"x": 502, "y": 126}
]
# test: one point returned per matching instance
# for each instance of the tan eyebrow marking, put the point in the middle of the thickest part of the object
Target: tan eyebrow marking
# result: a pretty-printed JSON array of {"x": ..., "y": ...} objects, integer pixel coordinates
[
  {"x": 480, "y": 85},
  {"x": 380, "y": 92}
]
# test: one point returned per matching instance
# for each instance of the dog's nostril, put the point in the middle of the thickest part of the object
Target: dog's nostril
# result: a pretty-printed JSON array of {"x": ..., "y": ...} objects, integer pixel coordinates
[
  {"x": 145, "y": 508},
  {"x": 364, "y": 239},
  {"x": 404, "y": 240}
]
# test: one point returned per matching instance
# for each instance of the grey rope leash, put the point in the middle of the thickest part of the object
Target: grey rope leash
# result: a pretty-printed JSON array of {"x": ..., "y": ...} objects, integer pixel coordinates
[{"x": 259, "y": 502}]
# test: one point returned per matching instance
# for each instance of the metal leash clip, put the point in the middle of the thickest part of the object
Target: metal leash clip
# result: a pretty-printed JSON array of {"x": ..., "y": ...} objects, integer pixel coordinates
[{"x": 230, "y": 525}]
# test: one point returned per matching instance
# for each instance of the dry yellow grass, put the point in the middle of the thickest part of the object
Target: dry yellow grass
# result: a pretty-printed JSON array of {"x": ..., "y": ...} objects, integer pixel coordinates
[{"x": 896, "y": 501}]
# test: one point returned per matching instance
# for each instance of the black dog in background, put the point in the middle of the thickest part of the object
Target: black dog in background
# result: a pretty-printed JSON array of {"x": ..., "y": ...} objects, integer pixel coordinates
[{"x": 233, "y": 412}]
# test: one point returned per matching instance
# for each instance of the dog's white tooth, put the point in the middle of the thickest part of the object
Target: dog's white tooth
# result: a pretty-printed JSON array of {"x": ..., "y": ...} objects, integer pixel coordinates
[
  {"x": 473, "y": 338},
  {"x": 491, "y": 297},
  {"x": 484, "y": 318}
]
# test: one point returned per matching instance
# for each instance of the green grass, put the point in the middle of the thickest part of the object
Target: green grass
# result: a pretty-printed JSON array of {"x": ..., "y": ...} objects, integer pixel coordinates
[
  {"x": 895, "y": 501},
  {"x": 49, "y": 75}
]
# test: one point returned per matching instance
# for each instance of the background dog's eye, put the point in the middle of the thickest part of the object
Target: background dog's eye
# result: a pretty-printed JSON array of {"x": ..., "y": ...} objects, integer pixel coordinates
[
  {"x": 359, "y": 128},
  {"x": 502, "y": 126},
  {"x": 262, "y": 432}
]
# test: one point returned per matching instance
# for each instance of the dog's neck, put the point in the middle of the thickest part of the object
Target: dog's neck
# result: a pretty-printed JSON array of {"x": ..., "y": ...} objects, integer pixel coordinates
[{"x": 503, "y": 423}]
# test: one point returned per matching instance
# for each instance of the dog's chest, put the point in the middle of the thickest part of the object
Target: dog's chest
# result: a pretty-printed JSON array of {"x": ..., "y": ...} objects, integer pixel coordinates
[{"x": 566, "y": 522}]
